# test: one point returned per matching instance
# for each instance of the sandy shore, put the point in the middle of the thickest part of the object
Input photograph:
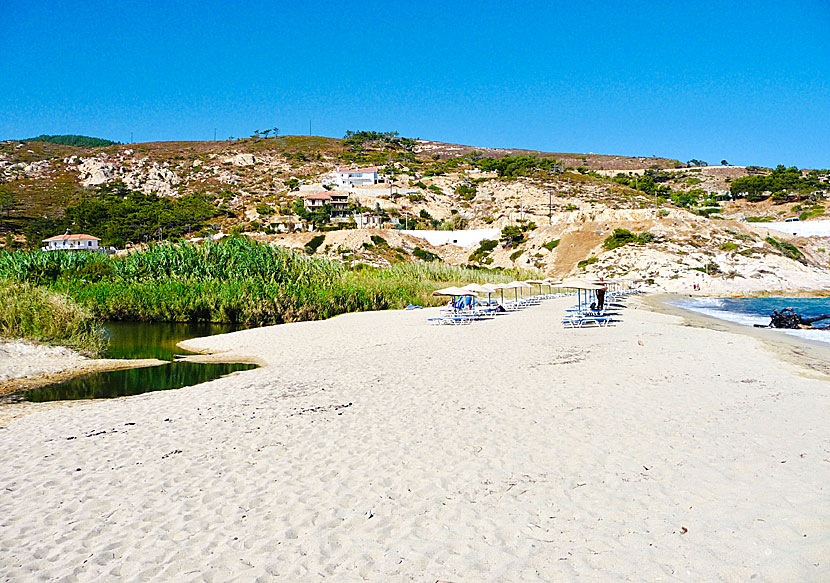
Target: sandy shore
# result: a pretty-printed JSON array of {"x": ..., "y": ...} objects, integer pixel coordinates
[{"x": 375, "y": 447}]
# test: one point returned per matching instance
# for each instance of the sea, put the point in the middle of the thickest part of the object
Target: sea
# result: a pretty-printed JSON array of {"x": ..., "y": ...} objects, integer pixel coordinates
[{"x": 751, "y": 311}]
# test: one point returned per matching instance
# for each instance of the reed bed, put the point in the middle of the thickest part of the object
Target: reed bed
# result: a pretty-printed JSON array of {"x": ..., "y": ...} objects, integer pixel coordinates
[
  {"x": 235, "y": 280},
  {"x": 41, "y": 315}
]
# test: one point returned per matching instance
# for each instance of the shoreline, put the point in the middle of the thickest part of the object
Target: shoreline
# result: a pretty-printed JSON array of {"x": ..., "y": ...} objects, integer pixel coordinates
[{"x": 804, "y": 352}]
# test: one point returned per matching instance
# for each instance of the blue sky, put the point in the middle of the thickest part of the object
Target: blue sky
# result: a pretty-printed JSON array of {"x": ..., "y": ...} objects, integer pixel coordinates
[{"x": 745, "y": 82}]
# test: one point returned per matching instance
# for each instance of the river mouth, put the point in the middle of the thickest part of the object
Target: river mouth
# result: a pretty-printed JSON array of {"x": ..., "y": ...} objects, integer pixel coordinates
[{"x": 140, "y": 340}]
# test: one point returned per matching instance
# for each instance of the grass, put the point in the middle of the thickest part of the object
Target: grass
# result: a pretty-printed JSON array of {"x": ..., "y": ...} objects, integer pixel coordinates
[
  {"x": 41, "y": 315},
  {"x": 236, "y": 281}
]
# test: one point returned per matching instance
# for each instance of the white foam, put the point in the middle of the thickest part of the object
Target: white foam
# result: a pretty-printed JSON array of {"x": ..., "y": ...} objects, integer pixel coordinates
[{"x": 709, "y": 306}]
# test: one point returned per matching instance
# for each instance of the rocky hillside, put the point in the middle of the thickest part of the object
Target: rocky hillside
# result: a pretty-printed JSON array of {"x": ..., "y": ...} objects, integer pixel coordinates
[{"x": 675, "y": 225}]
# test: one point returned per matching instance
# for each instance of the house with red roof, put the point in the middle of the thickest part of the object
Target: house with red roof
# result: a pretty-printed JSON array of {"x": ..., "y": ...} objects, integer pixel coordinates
[
  {"x": 337, "y": 201},
  {"x": 68, "y": 242}
]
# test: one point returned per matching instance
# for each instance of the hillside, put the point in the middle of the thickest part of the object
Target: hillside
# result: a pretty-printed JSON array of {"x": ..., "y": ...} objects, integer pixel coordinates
[{"x": 562, "y": 215}]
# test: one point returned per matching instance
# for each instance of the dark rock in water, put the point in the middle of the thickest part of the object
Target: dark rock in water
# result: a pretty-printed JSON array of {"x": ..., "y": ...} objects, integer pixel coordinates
[{"x": 789, "y": 318}]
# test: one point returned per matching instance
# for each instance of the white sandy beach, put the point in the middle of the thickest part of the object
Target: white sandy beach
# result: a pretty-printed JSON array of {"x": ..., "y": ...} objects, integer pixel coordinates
[{"x": 377, "y": 448}]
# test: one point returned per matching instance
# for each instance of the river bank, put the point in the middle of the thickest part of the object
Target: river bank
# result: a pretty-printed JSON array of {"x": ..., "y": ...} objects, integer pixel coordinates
[{"x": 376, "y": 447}]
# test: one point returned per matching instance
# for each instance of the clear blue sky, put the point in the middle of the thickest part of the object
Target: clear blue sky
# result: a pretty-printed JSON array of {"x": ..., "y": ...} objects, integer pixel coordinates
[{"x": 748, "y": 82}]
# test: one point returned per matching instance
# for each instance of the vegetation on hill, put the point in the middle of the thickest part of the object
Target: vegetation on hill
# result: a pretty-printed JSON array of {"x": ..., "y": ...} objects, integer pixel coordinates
[
  {"x": 782, "y": 185},
  {"x": 118, "y": 215},
  {"x": 72, "y": 140},
  {"x": 513, "y": 166}
]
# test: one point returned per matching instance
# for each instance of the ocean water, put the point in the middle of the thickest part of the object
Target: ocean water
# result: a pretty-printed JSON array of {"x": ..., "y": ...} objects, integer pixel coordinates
[{"x": 751, "y": 311}]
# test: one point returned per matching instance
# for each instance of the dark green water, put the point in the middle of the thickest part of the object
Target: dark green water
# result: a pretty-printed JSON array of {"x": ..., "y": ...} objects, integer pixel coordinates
[
  {"x": 132, "y": 340},
  {"x": 155, "y": 340},
  {"x": 134, "y": 381}
]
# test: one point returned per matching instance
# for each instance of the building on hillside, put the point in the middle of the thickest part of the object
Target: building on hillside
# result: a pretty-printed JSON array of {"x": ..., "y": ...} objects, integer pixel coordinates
[
  {"x": 351, "y": 177},
  {"x": 67, "y": 242},
  {"x": 368, "y": 221},
  {"x": 339, "y": 203}
]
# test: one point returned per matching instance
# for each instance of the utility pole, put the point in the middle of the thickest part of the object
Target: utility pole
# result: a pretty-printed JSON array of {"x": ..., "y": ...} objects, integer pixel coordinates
[
  {"x": 550, "y": 207},
  {"x": 309, "y": 127},
  {"x": 214, "y": 134},
  {"x": 131, "y": 137}
]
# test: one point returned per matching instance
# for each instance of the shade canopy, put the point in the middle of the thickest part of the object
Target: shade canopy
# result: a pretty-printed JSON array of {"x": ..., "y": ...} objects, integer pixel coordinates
[
  {"x": 453, "y": 291},
  {"x": 581, "y": 284},
  {"x": 516, "y": 285},
  {"x": 477, "y": 287},
  {"x": 536, "y": 282},
  {"x": 491, "y": 287}
]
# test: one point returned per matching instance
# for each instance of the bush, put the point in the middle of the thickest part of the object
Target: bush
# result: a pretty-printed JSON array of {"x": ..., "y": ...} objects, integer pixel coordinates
[
  {"x": 466, "y": 192},
  {"x": 586, "y": 262},
  {"x": 551, "y": 245},
  {"x": 787, "y": 249},
  {"x": 264, "y": 209},
  {"x": 512, "y": 235},
  {"x": 311, "y": 247},
  {"x": 379, "y": 241},
  {"x": 516, "y": 254},
  {"x": 484, "y": 249},
  {"x": 619, "y": 238},
  {"x": 424, "y": 255}
]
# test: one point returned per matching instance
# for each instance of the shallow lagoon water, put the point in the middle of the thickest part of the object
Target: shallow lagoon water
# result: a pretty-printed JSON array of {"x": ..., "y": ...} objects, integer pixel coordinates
[
  {"x": 134, "y": 381},
  {"x": 135, "y": 340}
]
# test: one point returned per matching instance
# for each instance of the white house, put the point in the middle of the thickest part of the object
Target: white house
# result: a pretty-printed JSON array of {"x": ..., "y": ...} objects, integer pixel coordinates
[
  {"x": 349, "y": 177},
  {"x": 67, "y": 242},
  {"x": 368, "y": 221}
]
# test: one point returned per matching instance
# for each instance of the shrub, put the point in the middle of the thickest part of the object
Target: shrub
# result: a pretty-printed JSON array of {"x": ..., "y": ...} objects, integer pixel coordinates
[
  {"x": 586, "y": 262},
  {"x": 311, "y": 247},
  {"x": 512, "y": 235},
  {"x": 466, "y": 192},
  {"x": 787, "y": 249},
  {"x": 662, "y": 213},
  {"x": 424, "y": 255},
  {"x": 379, "y": 241},
  {"x": 516, "y": 254},
  {"x": 619, "y": 238},
  {"x": 484, "y": 249},
  {"x": 551, "y": 245},
  {"x": 264, "y": 209},
  {"x": 728, "y": 246},
  {"x": 759, "y": 219}
]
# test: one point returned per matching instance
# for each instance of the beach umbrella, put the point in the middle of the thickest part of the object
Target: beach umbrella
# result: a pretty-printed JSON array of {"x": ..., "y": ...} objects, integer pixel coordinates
[
  {"x": 499, "y": 287},
  {"x": 538, "y": 282},
  {"x": 453, "y": 291},
  {"x": 579, "y": 285},
  {"x": 478, "y": 288},
  {"x": 517, "y": 285}
]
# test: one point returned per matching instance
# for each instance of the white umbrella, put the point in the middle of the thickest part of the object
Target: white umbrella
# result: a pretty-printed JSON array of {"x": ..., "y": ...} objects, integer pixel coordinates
[
  {"x": 453, "y": 291},
  {"x": 579, "y": 285}
]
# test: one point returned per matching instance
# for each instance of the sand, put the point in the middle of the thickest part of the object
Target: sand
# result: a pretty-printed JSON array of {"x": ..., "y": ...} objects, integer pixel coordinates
[{"x": 374, "y": 447}]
